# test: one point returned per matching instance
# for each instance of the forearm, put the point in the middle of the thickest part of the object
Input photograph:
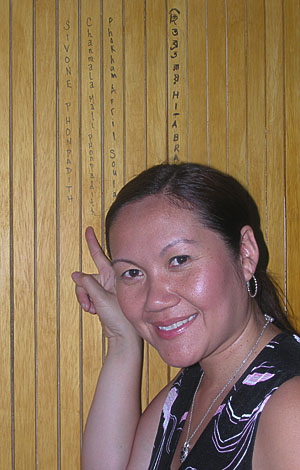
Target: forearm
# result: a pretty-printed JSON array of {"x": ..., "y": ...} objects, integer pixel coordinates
[{"x": 115, "y": 411}]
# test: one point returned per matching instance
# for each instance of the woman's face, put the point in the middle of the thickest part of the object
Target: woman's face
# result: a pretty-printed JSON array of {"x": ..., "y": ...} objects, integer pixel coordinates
[{"x": 176, "y": 281}]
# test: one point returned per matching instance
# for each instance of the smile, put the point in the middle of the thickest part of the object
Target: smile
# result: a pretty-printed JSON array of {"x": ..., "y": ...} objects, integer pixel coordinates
[{"x": 178, "y": 324}]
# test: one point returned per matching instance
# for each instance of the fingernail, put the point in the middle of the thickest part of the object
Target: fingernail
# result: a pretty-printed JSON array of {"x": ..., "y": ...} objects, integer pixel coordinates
[{"x": 84, "y": 306}]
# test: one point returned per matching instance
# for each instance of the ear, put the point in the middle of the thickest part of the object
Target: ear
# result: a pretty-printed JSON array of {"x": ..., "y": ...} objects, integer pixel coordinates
[{"x": 249, "y": 252}]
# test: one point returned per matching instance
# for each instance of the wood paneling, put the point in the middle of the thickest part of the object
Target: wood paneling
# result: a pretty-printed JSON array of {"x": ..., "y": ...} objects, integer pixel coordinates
[
  {"x": 236, "y": 91},
  {"x": 292, "y": 114},
  {"x": 45, "y": 245},
  {"x": 135, "y": 112},
  {"x": 6, "y": 419},
  {"x": 216, "y": 85},
  {"x": 113, "y": 99},
  {"x": 91, "y": 94},
  {"x": 275, "y": 150},
  {"x": 69, "y": 157},
  {"x": 197, "y": 83},
  {"x": 156, "y": 82},
  {"x": 177, "y": 81},
  {"x": 256, "y": 105},
  {"x": 91, "y": 181},
  {"x": 23, "y": 235}
]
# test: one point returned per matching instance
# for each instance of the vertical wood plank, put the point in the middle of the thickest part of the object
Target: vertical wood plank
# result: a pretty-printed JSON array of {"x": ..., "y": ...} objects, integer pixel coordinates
[
  {"x": 292, "y": 93},
  {"x": 237, "y": 109},
  {"x": 216, "y": 39},
  {"x": 135, "y": 130},
  {"x": 91, "y": 182},
  {"x": 23, "y": 235},
  {"x": 256, "y": 104},
  {"x": 69, "y": 333},
  {"x": 135, "y": 111},
  {"x": 155, "y": 373},
  {"x": 46, "y": 333},
  {"x": 275, "y": 223},
  {"x": 113, "y": 99},
  {"x": 158, "y": 374},
  {"x": 5, "y": 391},
  {"x": 177, "y": 106},
  {"x": 177, "y": 81},
  {"x": 197, "y": 81},
  {"x": 156, "y": 82}
]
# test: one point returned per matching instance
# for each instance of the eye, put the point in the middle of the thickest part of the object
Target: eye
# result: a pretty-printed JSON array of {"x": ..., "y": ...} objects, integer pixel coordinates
[
  {"x": 132, "y": 274},
  {"x": 178, "y": 260}
]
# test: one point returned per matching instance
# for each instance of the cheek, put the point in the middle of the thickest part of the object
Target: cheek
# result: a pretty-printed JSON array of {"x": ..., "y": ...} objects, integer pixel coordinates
[{"x": 208, "y": 287}]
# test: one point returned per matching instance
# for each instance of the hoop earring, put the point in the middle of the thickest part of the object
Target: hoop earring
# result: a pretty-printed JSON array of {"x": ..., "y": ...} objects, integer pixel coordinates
[{"x": 252, "y": 294}]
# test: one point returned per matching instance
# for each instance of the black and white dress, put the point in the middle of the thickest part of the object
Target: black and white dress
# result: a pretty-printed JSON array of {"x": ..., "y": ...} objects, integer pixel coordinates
[{"x": 228, "y": 439}]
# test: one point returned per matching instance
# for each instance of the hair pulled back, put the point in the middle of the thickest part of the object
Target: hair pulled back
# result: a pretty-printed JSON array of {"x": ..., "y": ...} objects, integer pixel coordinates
[{"x": 220, "y": 202}]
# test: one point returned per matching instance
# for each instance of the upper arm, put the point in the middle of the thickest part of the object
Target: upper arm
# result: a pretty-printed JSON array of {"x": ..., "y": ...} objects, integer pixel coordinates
[
  {"x": 278, "y": 435},
  {"x": 146, "y": 432}
]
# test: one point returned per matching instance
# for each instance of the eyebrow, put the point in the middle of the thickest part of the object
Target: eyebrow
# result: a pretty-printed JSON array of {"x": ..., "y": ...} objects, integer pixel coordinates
[
  {"x": 176, "y": 242},
  {"x": 163, "y": 251},
  {"x": 121, "y": 260}
]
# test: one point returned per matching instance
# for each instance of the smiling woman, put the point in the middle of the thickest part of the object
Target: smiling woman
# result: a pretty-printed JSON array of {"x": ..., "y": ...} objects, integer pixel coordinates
[
  {"x": 187, "y": 273},
  {"x": 165, "y": 298}
]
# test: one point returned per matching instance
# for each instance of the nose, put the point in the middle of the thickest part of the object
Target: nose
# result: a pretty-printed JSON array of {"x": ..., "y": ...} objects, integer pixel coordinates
[{"x": 160, "y": 295}]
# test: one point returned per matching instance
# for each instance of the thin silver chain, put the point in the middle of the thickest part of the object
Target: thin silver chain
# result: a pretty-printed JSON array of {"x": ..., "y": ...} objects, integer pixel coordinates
[{"x": 186, "y": 445}]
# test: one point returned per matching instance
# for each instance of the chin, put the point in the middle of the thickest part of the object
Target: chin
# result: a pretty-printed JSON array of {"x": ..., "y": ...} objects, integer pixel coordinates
[{"x": 179, "y": 360}]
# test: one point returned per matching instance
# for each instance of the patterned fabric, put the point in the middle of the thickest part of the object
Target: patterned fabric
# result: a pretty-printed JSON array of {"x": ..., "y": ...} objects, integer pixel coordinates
[{"x": 227, "y": 442}]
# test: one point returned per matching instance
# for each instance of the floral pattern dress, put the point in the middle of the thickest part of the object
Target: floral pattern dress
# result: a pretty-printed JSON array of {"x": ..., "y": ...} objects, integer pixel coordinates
[{"x": 227, "y": 442}]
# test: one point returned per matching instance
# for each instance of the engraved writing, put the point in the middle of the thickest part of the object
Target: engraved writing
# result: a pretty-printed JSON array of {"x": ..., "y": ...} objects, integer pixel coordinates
[
  {"x": 113, "y": 86},
  {"x": 67, "y": 83},
  {"x": 91, "y": 150},
  {"x": 175, "y": 67}
]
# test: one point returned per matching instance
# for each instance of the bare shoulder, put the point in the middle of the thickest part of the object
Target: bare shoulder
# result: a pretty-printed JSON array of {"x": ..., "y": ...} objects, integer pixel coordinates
[
  {"x": 146, "y": 431},
  {"x": 278, "y": 434}
]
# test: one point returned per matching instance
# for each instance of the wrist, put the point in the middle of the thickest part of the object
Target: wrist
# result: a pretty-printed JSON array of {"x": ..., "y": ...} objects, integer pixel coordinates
[{"x": 131, "y": 345}]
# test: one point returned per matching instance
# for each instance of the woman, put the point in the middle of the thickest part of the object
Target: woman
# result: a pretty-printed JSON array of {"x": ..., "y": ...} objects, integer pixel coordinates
[{"x": 187, "y": 272}]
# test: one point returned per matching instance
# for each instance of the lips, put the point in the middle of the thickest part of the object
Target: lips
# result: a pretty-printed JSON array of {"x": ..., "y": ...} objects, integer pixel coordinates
[
  {"x": 171, "y": 330},
  {"x": 178, "y": 324}
]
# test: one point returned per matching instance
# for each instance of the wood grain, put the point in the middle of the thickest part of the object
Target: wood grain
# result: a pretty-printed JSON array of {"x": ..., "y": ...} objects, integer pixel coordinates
[
  {"x": 23, "y": 235},
  {"x": 275, "y": 213},
  {"x": 216, "y": 63},
  {"x": 177, "y": 81},
  {"x": 292, "y": 110},
  {"x": 236, "y": 93},
  {"x": 256, "y": 105},
  {"x": 135, "y": 114},
  {"x": 156, "y": 82},
  {"x": 91, "y": 181},
  {"x": 197, "y": 89},
  {"x": 5, "y": 293},
  {"x": 113, "y": 100},
  {"x": 46, "y": 230},
  {"x": 69, "y": 256}
]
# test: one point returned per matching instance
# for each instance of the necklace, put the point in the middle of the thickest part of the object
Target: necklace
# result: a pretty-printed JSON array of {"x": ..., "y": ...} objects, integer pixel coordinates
[{"x": 185, "y": 448}]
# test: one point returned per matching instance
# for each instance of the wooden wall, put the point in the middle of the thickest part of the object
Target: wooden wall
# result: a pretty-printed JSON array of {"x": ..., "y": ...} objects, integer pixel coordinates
[{"x": 91, "y": 93}]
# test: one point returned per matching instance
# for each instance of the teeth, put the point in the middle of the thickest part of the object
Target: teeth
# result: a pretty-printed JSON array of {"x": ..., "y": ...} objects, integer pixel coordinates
[{"x": 178, "y": 324}]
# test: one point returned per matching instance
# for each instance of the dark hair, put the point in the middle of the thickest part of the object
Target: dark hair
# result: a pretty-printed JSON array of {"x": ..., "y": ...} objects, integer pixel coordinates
[{"x": 221, "y": 203}]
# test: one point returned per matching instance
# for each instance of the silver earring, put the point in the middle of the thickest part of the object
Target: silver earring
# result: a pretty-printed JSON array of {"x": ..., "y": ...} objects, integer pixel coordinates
[{"x": 252, "y": 294}]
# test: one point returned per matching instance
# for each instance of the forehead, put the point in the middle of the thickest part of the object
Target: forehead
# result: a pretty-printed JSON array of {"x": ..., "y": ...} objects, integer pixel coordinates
[
  {"x": 152, "y": 208},
  {"x": 153, "y": 221}
]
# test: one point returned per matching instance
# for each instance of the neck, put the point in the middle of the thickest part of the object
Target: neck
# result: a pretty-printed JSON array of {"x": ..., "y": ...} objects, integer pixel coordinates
[{"x": 219, "y": 366}]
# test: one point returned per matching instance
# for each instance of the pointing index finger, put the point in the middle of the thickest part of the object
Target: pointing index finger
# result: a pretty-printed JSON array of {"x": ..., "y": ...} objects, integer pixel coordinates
[{"x": 95, "y": 249}]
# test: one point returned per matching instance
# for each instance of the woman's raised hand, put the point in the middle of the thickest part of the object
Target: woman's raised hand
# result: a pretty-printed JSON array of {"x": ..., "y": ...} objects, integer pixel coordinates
[
  {"x": 96, "y": 292},
  {"x": 117, "y": 395}
]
